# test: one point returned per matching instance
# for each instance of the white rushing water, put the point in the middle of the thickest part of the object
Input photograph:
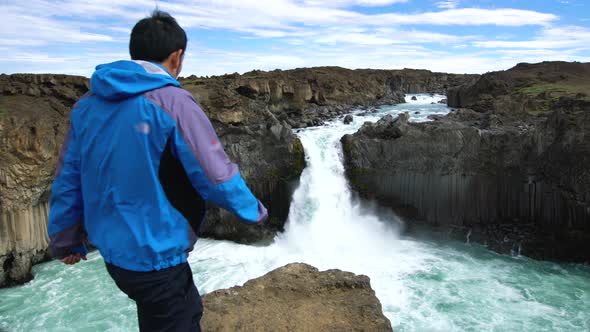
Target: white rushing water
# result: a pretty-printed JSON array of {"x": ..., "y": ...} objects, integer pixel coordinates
[{"x": 423, "y": 285}]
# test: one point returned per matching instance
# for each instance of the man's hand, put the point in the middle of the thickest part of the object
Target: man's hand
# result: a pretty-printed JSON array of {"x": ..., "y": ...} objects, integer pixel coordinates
[{"x": 73, "y": 259}]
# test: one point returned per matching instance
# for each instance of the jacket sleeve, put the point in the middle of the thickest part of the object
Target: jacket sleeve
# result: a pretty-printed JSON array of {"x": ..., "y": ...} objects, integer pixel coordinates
[
  {"x": 212, "y": 174},
  {"x": 66, "y": 219}
]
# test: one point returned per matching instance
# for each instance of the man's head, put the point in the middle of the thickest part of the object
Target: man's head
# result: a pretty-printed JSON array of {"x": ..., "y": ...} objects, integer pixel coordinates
[{"x": 160, "y": 39}]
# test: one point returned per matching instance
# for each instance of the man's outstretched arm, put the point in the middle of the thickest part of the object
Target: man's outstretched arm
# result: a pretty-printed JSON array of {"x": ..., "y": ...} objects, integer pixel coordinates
[
  {"x": 66, "y": 218},
  {"x": 212, "y": 174}
]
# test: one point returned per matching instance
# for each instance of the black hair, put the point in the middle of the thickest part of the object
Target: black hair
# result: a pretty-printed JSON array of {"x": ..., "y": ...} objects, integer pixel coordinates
[{"x": 154, "y": 38}]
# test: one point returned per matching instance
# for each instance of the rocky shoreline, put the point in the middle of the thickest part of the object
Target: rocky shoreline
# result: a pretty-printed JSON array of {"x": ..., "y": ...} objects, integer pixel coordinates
[
  {"x": 253, "y": 113},
  {"x": 309, "y": 96},
  {"x": 510, "y": 169}
]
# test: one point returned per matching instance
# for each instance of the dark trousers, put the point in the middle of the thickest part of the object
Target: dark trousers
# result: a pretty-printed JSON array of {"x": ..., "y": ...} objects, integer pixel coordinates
[{"x": 167, "y": 300}]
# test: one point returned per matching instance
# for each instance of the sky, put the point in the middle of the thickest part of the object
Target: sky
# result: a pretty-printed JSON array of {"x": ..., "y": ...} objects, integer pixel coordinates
[{"x": 458, "y": 36}]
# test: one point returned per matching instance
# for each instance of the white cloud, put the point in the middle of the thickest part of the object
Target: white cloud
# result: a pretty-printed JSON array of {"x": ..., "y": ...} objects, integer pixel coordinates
[
  {"x": 344, "y": 3},
  {"x": 468, "y": 16},
  {"x": 385, "y": 36},
  {"x": 379, "y": 57},
  {"x": 18, "y": 27},
  {"x": 35, "y": 57},
  {"x": 283, "y": 14},
  {"x": 207, "y": 61},
  {"x": 450, "y": 4},
  {"x": 550, "y": 38},
  {"x": 37, "y": 21}
]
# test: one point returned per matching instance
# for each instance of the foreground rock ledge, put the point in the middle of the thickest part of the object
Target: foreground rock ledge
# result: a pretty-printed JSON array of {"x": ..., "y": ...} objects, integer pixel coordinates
[{"x": 297, "y": 297}]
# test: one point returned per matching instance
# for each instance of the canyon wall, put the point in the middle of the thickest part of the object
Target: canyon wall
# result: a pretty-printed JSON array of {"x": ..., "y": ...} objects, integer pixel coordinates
[
  {"x": 33, "y": 122},
  {"x": 513, "y": 176}
]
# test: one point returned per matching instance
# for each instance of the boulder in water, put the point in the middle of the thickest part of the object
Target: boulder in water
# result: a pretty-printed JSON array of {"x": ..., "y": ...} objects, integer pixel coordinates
[
  {"x": 296, "y": 297},
  {"x": 387, "y": 127},
  {"x": 348, "y": 119},
  {"x": 414, "y": 98}
]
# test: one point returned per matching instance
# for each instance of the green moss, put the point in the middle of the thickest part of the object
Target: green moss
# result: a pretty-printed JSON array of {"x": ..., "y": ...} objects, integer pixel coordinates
[
  {"x": 193, "y": 82},
  {"x": 347, "y": 147},
  {"x": 271, "y": 175},
  {"x": 299, "y": 157},
  {"x": 297, "y": 164},
  {"x": 6, "y": 111},
  {"x": 557, "y": 90},
  {"x": 546, "y": 95},
  {"x": 357, "y": 177}
]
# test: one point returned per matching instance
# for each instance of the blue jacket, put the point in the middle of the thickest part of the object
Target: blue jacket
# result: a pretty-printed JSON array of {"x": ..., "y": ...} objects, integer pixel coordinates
[{"x": 108, "y": 183}]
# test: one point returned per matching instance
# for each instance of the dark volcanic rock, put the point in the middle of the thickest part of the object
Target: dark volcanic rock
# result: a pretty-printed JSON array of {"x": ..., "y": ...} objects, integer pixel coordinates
[
  {"x": 296, "y": 297},
  {"x": 348, "y": 119},
  {"x": 524, "y": 185},
  {"x": 515, "y": 181},
  {"x": 387, "y": 127}
]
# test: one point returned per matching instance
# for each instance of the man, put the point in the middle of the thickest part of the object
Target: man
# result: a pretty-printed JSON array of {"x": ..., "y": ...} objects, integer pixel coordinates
[{"x": 133, "y": 138}]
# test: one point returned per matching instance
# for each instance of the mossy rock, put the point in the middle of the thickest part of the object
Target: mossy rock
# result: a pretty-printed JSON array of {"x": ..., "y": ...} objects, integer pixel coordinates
[{"x": 298, "y": 154}]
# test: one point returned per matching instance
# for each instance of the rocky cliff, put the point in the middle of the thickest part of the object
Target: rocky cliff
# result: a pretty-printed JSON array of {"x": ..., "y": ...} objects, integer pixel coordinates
[
  {"x": 253, "y": 113},
  {"x": 33, "y": 122},
  {"x": 305, "y": 97},
  {"x": 510, "y": 175},
  {"x": 541, "y": 87},
  {"x": 296, "y": 297}
]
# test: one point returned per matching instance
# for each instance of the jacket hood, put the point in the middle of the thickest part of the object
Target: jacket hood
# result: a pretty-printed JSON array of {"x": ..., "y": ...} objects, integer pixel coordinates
[{"x": 124, "y": 79}]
